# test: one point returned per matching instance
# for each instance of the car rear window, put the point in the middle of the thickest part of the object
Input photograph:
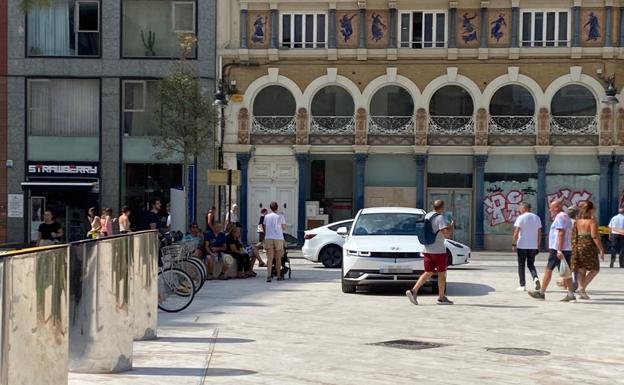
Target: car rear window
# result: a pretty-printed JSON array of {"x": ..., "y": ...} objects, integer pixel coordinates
[{"x": 339, "y": 225}]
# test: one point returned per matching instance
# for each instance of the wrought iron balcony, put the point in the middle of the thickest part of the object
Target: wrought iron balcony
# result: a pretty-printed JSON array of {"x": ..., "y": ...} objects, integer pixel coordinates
[
  {"x": 273, "y": 125},
  {"x": 574, "y": 125},
  {"x": 451, "y": 125},
  {"x": 332, "y": 125},
  {"x": 512, "y": 125},
  {"x": 391, "y": 125}
]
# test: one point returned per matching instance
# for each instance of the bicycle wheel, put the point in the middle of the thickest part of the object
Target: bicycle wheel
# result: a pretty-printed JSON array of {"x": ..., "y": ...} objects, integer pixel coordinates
[
  {"x": 201, "y": 264},
  {"x": 175, "y": 290},
  {"x": 194, "y": 272}
]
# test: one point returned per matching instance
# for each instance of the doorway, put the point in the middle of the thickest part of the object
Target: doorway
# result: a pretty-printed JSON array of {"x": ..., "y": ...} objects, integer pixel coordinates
[{"x": 457, "y": 202}]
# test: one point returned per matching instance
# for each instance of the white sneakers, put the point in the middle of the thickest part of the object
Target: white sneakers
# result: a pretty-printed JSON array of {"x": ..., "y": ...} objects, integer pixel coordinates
[{"x": 521, "y": 288}]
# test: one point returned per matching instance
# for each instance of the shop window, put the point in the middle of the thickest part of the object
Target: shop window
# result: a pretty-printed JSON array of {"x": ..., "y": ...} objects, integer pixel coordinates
[
  {"x": 151, "y": 28},
  {"x": 140, "y": 107},
  {"x": 303, "y": 30},
  {"x": 573, "y": 100},
  {"x": 64, "y": 28},
  {"x": 545, "y": 28},
  {"x": 423, "y": 29}
]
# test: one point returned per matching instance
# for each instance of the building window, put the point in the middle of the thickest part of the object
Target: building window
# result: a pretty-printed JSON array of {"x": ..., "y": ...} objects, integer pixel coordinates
[
  {"x": 274, "y": 111},
  {"x": 64, "y": 28},
  {"x": 423, "y": 29},
  {"x": 140, "y": 107},
  {"x": 574, "y": 110},
  {"x": 450, "y": 112},
  {"x": 512, "y": 111},
  {"x": 303, "y": 30},
  {"x": 333, "y": 112},
  {"x": 545, "y": 28},
  {"x": 391, "y": 112},
  {"x": 151, "y": 28}
]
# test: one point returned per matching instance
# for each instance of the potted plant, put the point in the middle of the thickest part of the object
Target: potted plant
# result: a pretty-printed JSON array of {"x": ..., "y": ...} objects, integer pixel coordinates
[{"x": 149, "y": 42}]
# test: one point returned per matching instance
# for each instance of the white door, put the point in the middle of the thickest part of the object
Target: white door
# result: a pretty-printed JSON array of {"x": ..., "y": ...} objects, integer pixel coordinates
[
  {"x": 259, "y": 198},
  {"x": 286, "y": 200}
]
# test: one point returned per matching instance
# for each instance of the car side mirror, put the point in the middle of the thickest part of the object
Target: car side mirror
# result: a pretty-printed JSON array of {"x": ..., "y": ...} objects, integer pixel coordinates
[{"x": 342, "y": 231}]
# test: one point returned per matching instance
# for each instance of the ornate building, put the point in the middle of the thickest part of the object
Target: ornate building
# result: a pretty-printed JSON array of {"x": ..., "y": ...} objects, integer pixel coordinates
[{"x": 366, "y": 103}]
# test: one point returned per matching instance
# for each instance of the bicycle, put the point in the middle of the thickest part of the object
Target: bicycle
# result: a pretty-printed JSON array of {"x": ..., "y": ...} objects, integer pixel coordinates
[
  {"x": 176, "y": 289},
  {"x": 177, "y": 256}
]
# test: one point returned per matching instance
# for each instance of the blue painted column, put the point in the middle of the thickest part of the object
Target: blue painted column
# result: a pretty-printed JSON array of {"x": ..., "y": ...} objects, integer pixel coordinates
[
  {"x": 331, "y": 28},
  {"x": 243, "y": 165},
  {"x": 603, "y": 190},
  {"x": 452, "y": 27},
  {"x": 302, "y": 162},
  {"x": 515, "y": 27},
  {"x": 360, "y": 172},
  {"x": 243, "y": 28},
  {"x": 615, "y": 184},
  {"x": 393, "y": 27},
  {"x": 484, "y": 28},
  {"x": 621, "y": 39},
  {"x": 362, "y": 43},
  {"x": 274, "y": 21},
  {"x": 576, "y": 26},
  {"x": 607, "y": 29},
  {"x": 421, "y": 163},
  {"x": 542, "y": 162},
  {"x": 479, "y": 181}
]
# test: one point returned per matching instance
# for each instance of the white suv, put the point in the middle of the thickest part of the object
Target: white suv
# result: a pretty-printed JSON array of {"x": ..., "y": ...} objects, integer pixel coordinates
[{"x": 382, "y": 247}]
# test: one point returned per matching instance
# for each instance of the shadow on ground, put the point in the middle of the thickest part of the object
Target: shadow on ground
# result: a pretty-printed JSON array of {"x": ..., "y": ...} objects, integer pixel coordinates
[
  {"x": 188, "y": 372},
  {"x": 200, "y": 340}
]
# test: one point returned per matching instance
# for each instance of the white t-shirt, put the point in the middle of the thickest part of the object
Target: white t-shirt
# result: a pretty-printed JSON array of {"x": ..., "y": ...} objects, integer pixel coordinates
[
  {"x": 273, "y": 226},
  {"x": 617, "y": 222},
  {"x": 438, "y": 223},
  {"x": 528, "y": 223},
  {"x": 562, "y": 222}
]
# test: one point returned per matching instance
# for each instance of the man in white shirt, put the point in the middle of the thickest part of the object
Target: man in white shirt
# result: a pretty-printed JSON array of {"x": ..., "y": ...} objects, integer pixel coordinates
[
  {"x": 274, "y": 226},
  {"x": 616, "y": 236},
  {"x": 526, "y": 236}
]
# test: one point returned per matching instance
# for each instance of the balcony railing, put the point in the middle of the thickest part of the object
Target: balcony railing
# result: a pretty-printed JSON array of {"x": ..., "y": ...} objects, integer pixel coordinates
[
  {"x": 273, "y": 125},
  {"x": 574, "y": 125},
  {"x": 332, "y": 125},
  {"x": 391, "y": 125},
  {"x": 451, "y": 125},
  {"x": 512, "y": 125}
]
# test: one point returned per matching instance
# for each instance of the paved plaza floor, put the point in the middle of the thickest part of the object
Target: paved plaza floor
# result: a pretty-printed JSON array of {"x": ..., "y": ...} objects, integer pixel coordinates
[{"x": 306, "y": 331}]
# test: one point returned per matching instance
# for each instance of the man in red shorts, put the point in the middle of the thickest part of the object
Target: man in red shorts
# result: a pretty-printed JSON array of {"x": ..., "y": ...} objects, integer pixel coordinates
[{"x": 435, "y": 254}]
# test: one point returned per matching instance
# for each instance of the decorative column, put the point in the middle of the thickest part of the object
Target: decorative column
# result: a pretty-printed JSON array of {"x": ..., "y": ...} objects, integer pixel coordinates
[
  {"x": 543, "y": 127},
  {"x": 421, "y": 128},
  {"x": 621, "y": 39},
  {"x": 274, "y": 21},
  {"x": 607, "y": 29},
  {"x": 484, "y": 27},
  {"x": 452, "y": 25},
  {"x": 606, "y": 127},
  {"x": 603, "y": 191},
  {"x": 301, "y": 130},
  {"x": 479, "y": 177},
  {"x": 243, "y": 165},
  {"x": 362, "y": 28},
  {"x": 619, "y": 127},
  {"x": 421, "y": 163},
  {"x": 615, "y": 184},
  {"x": 515, "y": 27},
  {"x": 302, "y": 163},
  {"x": 331, "y": 27},
  {"x": 481, "y": 128},
  {"x": 576, "y": 26},
  {"x": 360, "y": 171},
  {"x": 542, "y": 162},
  {"x": 394, "y": 14},
  {"x": 243, "y": 28},
  {"x": 361, "y": 133}
]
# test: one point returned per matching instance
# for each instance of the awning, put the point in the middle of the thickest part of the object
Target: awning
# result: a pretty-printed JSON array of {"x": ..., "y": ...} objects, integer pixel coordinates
[{"x": 50, "y": 184}]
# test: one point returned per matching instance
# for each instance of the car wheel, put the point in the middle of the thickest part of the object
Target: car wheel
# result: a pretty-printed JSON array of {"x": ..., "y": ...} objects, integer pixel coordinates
[{"x": 331, "y": 256}]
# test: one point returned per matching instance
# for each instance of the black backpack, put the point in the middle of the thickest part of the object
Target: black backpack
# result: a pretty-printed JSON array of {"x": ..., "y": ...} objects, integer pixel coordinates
[{"x": 430, "y": 235}]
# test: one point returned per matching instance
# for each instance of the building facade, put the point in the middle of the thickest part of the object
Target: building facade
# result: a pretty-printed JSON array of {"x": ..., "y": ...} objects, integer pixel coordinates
[
  {"x": 342, "y": 105},
  {"x": 82, "y": 106}
]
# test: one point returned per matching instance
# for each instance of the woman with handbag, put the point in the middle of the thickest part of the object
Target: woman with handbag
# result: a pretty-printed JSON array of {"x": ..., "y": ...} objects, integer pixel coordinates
[{"x": 586, "y": 247}]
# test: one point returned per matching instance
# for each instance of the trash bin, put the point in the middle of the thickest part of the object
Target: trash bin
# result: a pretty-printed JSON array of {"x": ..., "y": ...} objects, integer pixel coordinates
[
  {"x": 144, "y": 255},
  {"x": 34, "y": 316},
  {"x": 100, "y": 325}
]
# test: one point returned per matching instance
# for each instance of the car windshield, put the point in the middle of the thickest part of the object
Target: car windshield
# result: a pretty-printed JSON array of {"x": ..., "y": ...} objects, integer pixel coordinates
[{"x": 389, "y": 224}]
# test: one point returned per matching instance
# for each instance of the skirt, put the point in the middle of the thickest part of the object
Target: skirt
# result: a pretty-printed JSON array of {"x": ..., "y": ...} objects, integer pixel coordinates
[{"x": 584, "y": 253}]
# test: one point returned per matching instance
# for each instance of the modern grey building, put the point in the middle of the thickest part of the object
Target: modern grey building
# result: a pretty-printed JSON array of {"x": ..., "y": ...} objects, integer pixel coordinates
[{"x": 81, "y": 109}]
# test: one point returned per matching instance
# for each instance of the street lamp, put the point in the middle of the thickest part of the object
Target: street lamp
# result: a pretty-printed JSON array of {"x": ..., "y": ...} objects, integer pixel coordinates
[
  {"x": 610, "y": 91},
  {"x": 221, "y": 102}
]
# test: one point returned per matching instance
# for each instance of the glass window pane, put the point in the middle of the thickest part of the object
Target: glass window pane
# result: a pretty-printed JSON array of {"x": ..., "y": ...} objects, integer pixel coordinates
[
  {"x": 320, "y": 29},
  {"x": 574, "y": 100},
  {"x": 392, "y": 101},
  {"x": 512, "y": 100},
  {"x": 417, "y": 33},
  {"x": 526, "y": 29},
  {"x": 184, "y": 20},
  {"x": 428, "y": 29},
  {"x": 134, "y": 96},
  {"x": 274, "y": 101},
  {"x": 285, "y": 30},
  {"x": 451, "y": 101},
  {"x": 333, "y": 101},
  {"x": 405, "y": 21},
  {"x": 309, "y": 31},
  {"x": 550, "y": 28},
  {"x": 563, "y": 28},
  {"x": 298, "y": 38},
  {"x": 538, "y": 29},
  {"x": 440, "y": 29},
  {"x": 88, "y": 18}
]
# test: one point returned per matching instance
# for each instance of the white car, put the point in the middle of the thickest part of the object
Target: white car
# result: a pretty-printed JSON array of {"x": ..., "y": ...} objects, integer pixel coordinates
[
  {"x": 324, "y": 245},
  {"x": 382, "y": 247}
]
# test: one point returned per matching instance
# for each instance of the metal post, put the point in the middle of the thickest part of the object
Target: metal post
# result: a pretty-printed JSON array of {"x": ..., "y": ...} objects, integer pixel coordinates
[
  {"x": 605, "y": 162},
  {"x": 360, "y": 175},
  {"x": 542, "y": 161},
  {"x": 229, "y": 208},
  {"x": 479, "y": 162},
  {"x": 302, "y": 163},
  {"x": 222, "y": 134}
]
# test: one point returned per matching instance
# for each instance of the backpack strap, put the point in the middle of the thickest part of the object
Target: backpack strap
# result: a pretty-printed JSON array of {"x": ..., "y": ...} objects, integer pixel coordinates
[{"x": 431, "y": 220}]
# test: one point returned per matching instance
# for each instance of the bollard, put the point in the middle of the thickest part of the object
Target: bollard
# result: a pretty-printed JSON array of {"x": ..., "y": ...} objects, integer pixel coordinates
[
  {"x": 100, "y": 324},
  {"x": 34, "y": 316},
  {"x": 144, "y": 255}
]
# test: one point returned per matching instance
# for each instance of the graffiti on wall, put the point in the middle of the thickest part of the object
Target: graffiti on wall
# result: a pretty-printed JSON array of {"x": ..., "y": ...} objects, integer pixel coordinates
[
  {"x": 570, "y": 197},
  {"x": 503, "y": 207}
]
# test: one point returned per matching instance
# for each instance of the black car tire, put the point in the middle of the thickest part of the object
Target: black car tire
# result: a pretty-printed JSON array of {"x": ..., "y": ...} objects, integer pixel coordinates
[{"x": 331, "y": 256}]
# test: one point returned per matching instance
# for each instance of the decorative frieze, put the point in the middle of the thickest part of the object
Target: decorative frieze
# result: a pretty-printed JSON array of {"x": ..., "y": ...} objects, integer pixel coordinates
[
  {"x": 302, "y": 127},
  {"x": 606, "y": 127},
  {"x": 360, "y": 127},
  {"x": 481, "y": 128},
  {"x": 243, "y": 126},
  {"x": 543, "y": 127}
]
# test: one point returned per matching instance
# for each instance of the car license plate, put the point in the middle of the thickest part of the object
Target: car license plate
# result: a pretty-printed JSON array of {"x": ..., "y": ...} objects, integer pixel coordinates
[{"x": 393, "y": 269}]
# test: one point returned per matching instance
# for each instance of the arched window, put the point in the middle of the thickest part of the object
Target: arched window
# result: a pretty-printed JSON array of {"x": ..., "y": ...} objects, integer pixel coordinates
[
  {"x": 332, "y": 111},
  {"x": 451, "y": 109},
  {"x": 274, "y": 109},
  {"x": 512, "y": 111},
  {"x": 574, "y": 110},
  {"x": 391, "y": 112}
]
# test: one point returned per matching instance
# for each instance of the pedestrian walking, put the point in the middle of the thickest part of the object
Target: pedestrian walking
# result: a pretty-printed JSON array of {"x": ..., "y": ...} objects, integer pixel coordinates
[
  {"x": 232, "y": 217},
  {"x": 435, "y": 255},
  {"x": 152, "y": 218},
  {"x": 260, "y": 230},
  {"x": 586, "y": 247},
  {"x": 95, "y": 222},
  {"x": 616, "y": 236},
  {"x": 560, "y": 247},
  {"x": 124, "y": 220},
  {"x": 50, "y": 231},
  {"x": 107, "y": 222},
  {"x": 525, "y": 241},
  {"x": 274, "y": 226}
]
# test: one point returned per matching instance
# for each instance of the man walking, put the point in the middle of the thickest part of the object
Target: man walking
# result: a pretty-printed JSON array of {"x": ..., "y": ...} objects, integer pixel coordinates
[
  {"x": 435, "y": 255},
  {"x": 274, "y": 226},
  {"x": 560, "y": 246},
  {"x": 526, "y": 239},
  {"x": 616, "y": 236}
]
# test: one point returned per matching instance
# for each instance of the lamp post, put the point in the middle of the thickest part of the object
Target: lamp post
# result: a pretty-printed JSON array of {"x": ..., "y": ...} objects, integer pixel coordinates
[
  {"x": 611, "y": 100},
  {"x": 221, "y": 102}
]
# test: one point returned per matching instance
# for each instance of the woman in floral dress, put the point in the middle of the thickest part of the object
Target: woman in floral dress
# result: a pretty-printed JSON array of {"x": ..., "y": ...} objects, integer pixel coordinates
[{"x": 586, "y": 247}]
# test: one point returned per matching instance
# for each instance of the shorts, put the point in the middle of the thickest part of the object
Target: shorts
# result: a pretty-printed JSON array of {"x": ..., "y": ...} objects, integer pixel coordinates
[
  {"x": 435, "y": 262},
  {"x": 273, "y": 246},
  {"x": 554, "y": 262}
]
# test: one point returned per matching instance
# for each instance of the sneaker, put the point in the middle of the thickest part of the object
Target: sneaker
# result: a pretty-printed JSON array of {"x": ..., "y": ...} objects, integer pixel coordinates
[
  {"x": 280, "y": 278},
  {"x": 444, "y": 301},
  {"x": 412, "y": 297},
  {"x": 537, "y": 284},
  {"x": 537, "y": 295},
  {"x": 268, "y": 279},
  {"x": 611, "y": 264},
  {"x": 569, "y": 298},
  {"x": 583, "y": 295},
  {"x": 521, "y": 288}
]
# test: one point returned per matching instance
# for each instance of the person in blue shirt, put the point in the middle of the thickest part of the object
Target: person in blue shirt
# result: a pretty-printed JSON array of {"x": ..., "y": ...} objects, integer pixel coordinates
[
  {"x": 616, "y": 236},
  {"x": 215, "y": 246}
]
